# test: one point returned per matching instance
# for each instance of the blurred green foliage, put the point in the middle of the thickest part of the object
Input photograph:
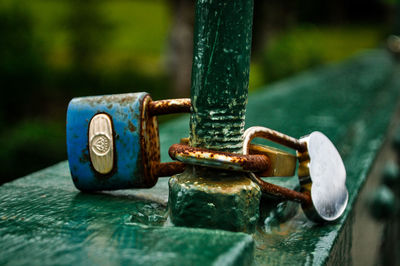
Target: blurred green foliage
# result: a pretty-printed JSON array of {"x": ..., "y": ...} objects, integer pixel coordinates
[
  {"x": 52, "y": 51},
  {"x": 307, "y": 46}
]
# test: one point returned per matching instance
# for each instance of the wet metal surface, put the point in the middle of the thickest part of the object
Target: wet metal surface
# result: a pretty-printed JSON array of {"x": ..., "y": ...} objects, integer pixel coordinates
[
  {"x": 220, "y": 73},
  {"x": 220, "y": 80},
  {"x": 44, "y": 219}
]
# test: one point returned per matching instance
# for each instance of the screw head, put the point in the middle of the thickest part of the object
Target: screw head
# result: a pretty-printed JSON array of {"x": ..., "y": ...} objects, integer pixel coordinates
[
  {"x": 391, "y": 175},
  {"x": 382, "y": 203}
]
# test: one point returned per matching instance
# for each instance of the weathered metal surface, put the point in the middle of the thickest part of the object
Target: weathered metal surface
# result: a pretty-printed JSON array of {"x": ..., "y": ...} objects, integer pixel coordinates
[
  {"x": 281, "y": 163},
  {"x": 124, "y": 119},
  {"x": 45, "y": 220},
  {"x": 170, "y": 106},
  {"x": 272, "y": 135},
  {"x": 168, "y": 169},
  {"x": 149, "y": 143},
  {"x": 223, "y": 202},
  {"x": 219, "y": 159},
  {"x": 281, "y": 193},
  {"x": 220, "y": 79},
  {"x": 126, "y": 114},
  {"x": 220, "y": 73}
]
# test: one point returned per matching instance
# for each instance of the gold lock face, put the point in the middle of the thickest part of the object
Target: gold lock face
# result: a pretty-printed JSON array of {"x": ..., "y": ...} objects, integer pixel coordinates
[{"x": 101, "y": 143}]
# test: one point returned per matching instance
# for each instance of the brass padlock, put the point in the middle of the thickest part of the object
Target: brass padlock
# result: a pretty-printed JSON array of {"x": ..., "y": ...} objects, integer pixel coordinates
[{"x": 321, "y": 172}]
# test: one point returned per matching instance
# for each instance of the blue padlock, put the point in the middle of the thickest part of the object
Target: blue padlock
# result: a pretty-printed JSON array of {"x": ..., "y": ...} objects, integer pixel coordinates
[{"x": 113, "y": 141}]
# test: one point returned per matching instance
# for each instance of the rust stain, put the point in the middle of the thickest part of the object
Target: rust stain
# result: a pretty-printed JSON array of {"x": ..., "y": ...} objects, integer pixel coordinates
[
  {"x": 169, "y": 169},
  {"x": 85, "y": 156},
  {"x": 131, "y": 126},
  {"x": 250, "y": 163},
  {"x": 123, "y": 99},
  {"x": 171, "y": 106},
  {"x": 274, "y": 136},
  {"x": 282, "y": 192},
  {"x": 149, "y": 143}
]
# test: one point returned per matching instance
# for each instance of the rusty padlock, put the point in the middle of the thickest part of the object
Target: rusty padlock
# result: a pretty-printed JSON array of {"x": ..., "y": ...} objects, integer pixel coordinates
[
  {"x": 321, "y": 172},
  {"x": 113, "y": 141}
]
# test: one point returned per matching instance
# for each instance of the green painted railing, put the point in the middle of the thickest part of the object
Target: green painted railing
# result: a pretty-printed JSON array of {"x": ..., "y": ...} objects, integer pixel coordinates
[{"x": 45, "y": 220}]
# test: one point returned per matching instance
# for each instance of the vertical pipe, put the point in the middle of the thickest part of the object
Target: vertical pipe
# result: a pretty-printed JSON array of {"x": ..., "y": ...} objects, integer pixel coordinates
[
  {"x": 220, "y": 73},
  {"x": 202, "y": 196}
]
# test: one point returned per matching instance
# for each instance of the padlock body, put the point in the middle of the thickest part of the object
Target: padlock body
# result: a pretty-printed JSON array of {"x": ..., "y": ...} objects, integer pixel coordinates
[{"x": 105, "y": 142}]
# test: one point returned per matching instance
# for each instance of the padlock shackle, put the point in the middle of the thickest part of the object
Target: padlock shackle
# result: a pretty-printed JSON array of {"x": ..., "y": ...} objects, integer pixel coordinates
[
  {"x": 168, "y": 169},
  {"x": 272, "y": 135},
  {"x": 281, "y": 192},
  {"x": 219, "y": 159},
  {"x": 170, "y": 106}
]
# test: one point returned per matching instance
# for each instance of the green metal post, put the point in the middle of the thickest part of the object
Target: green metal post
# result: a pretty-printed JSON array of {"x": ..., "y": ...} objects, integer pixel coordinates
[
  {"x": 220, "y": 73},
  {"x": 205, "y": 197}
]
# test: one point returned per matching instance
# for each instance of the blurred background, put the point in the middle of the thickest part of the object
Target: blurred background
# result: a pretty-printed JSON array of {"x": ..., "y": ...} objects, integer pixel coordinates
[{"x": 52, "y": 51}]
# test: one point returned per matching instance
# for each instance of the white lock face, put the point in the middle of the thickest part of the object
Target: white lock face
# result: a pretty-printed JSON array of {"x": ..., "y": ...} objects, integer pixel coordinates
[
  {"x": 328, "y": 175},
  {"x": 101, "y": 143}
]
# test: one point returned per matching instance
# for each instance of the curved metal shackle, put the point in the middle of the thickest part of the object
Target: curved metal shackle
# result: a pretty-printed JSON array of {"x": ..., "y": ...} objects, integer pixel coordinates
[
  {"x": 273, "y": 135},
  {"x": 320, "y": 163},
  {"x": 218, "y": 159}
]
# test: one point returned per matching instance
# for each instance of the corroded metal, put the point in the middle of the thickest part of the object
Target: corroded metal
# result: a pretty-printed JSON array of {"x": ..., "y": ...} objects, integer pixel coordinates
[
  {"x": 322, "y": 174},
  {"x": 281, "y": 192},
  {"x": 168, "y": 169},
  {"x": 220, "y": 73},
  {"x": 273, "y": 135},
  {"x": 220, "y": 78},
  {"x": 149, "y": 142},
  {"x": 171, "y": 106},
  {"x": 113, "y": 141},
  {"x": 280, "y": 163},
  {"x": 219, "y": 159}
]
